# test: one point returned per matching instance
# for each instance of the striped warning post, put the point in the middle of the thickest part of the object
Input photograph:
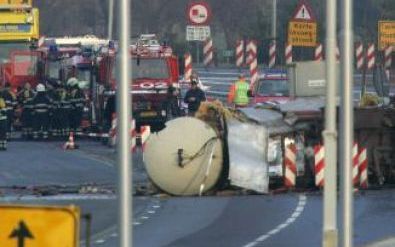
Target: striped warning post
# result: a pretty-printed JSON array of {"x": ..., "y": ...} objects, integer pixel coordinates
[
  {"x": 371, "y": 56},
  {"x": 239, "y": 53},
  {"x": 288, "y": 54},
  {"x": 272, "y": 54},
  {"x": 319, "y": 165},
  {"x": 251, "y": 51},
  {"x": 253, "y": 72},
  {"x": 145, "y": 132},
  {"x": 355, "y": 164},
  {"x": 290, "y": 166},
  {"x": 318, "y": 54},
  {"x": 359, "y": 55},
  {"x": 363, "y": 168},
  {"x": 188, "y": 66},
  {"x": 208, "y": 52},
  {"x": 388, "y": 57}
]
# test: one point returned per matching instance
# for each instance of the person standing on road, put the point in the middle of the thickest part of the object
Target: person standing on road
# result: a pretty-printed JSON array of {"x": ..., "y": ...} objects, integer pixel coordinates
[
  {"x": 194, "y": 97},
  {"x": 10, "y": 102},
  {"x": 239, "y": 92},
  {"x": 77, "y": 102},
  {"x": 25, "y": 99},
  {"x": 3, "y": 125},
  {"x": 41, "y": 107}
]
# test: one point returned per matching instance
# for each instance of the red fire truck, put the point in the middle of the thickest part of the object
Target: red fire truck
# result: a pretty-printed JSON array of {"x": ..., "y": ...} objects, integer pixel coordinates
[{"x": 154, "y": 77}]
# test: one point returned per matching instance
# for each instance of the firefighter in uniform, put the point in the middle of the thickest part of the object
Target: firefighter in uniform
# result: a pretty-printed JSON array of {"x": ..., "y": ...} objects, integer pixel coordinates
[
  {"x": 25, "y": 100},
  {"x": 41, "y": 107},
  {"x": 64, "y": 111},
  {"x": 10, "y": 102},
  {"x": 239, "y": 93},
  {"x": 56, "y": 112},
  {"x": 77, "y": 103},
  {"x": 3, "y": 125}
]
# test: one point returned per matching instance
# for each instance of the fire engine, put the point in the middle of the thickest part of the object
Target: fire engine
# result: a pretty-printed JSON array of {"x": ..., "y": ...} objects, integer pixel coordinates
[
  {"x": 19, "y": 29},
  {"x": 67, "y": 57},
  {"x": 154, "y": 75}
]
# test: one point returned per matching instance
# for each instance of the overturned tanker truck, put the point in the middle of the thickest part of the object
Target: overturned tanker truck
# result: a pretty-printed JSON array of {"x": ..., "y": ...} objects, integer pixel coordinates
[{"x": 269, "y": 146}]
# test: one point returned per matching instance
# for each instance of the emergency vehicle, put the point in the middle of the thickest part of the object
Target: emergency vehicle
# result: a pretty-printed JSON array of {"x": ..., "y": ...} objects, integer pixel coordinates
[
  {"x": 271, "y": 87},
  {"x": 155, "y": 74},
  {"x": 19, "y": 30}
]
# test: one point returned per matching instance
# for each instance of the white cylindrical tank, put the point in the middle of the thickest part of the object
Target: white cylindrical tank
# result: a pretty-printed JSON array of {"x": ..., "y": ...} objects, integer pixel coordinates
[{"x": 185, "y": 158}]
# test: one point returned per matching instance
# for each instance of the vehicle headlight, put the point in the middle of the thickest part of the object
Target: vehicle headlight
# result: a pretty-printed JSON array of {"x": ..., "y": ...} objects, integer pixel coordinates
[{"x": 163, "y": 112}]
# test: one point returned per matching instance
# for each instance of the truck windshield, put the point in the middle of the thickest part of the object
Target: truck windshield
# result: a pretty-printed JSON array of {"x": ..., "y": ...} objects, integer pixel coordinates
[
  {"x": 273, "y": 88},
  {"x": 150, "y": 68},
  {"x": 7, "y": 48},
  {"x": 54, "y": 68}
]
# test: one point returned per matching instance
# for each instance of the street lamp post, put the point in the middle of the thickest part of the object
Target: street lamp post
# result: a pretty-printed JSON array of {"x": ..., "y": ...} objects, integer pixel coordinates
[{"x": 124, "y": 107}]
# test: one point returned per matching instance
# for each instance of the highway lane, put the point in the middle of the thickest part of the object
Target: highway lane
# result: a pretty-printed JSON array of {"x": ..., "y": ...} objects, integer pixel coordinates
[
  {"x": 247, "y": 221},
  {"x": 42, "y": 173}
]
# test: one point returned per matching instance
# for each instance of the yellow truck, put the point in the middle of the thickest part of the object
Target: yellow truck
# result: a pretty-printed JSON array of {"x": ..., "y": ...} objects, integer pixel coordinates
[{"x": 19, "y": 30}]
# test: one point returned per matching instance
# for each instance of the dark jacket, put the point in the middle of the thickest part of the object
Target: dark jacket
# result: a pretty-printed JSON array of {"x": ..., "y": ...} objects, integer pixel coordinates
[
  {"x": 193, "y": 98},
  {"x": 41, "y": 103}
]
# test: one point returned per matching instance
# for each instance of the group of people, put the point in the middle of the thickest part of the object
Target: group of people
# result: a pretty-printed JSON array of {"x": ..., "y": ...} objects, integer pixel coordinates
[
  {"x": 238, "y": 95},
  {"x": 50, "y": 109}
]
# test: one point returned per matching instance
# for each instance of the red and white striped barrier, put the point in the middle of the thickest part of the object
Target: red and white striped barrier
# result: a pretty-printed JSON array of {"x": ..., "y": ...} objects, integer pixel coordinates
[
  {"x": 239, "y": 53},
  {"x": 288, "y": 54},
  {"x": 188, "y": 66},
  {"x": 208, "y": 52},
  {"x": 319, "y": 165},
  {"x": 145, "y": 132},
  {"x": 359, "y": 55},
  {"x": 388, "y": 57},
  {"x": 272, "y": 54},
  {"x": 363, "y": 168},
  {"x": 355, "y": 164},
  {"x": 318, "y": 54},
  {"x": 371, "y": 56},
  {"x": 251, "y": 51},
  {"x": 290, "y": 166},
  {"x": 253, "y": 72}
]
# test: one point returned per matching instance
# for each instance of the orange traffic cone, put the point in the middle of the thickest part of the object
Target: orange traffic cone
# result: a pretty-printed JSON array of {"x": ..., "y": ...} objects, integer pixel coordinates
[{"x": 70, "y": 144}]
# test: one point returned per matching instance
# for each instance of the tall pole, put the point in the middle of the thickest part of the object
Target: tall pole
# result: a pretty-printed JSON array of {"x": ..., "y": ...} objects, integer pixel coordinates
[
  {"x": 330, "y": 231},
  {"x": 110, "y": 18},
  {"x": 347, "y": 122},
  {"x": 123, "y": 110},
  {"x": 274, "y": 20}
]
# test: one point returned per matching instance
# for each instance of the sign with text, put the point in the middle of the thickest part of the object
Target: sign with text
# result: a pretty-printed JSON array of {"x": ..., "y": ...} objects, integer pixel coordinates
[
  {"x": 197, "y": 33},
  {"x": 302, "y": 33},
  {"x": 38, "y": 226},
  {"x": 386, "y": 34}
]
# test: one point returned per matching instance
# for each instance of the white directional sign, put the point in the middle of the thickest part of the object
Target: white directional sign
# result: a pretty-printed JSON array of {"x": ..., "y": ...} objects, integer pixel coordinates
[
  {"x": 198, "y": 13},
  {"x": 197, "y": 33}
]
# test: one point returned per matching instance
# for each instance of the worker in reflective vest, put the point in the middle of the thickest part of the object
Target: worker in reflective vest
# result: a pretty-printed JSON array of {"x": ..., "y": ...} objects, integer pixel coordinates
[{"x": 238, "y": 93}]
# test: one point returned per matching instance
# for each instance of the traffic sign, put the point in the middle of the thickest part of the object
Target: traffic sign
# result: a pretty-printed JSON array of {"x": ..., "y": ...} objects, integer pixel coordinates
[
  {"x": 386, "y": 34},
  {"x": 37, "y": 226},
  {"x": 303, "y": 12},
  {"x": 302, "y": 33},
  {"x": 198, "y": 13},
  {"x": 197, "y": 33}
]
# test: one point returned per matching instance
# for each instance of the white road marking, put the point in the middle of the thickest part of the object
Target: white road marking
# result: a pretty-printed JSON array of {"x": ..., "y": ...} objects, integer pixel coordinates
[
  {"x": 156, "y": 206},
  {"x": 151, "y": 212},
  {"x": 114, "y": 235},
  {"x": 100, "y": 241},
  {"x": 296, "y": 213},
  {"x": 136, "y": 223},
  {"x": 144, "y": 217}
]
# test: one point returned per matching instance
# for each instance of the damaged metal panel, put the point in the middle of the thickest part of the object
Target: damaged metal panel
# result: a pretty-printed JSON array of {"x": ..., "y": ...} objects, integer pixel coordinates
[{"x": 248, "y": 167}]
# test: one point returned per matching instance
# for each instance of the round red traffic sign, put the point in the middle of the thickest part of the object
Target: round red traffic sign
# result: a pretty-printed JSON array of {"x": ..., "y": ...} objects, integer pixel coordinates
[{"x": 198, "y": 13}]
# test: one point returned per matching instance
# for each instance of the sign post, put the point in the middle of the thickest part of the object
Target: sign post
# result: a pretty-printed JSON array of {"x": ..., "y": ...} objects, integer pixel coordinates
[
  {"x": 198, "y": 29},
  {"x": 302, "y": 29}
]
